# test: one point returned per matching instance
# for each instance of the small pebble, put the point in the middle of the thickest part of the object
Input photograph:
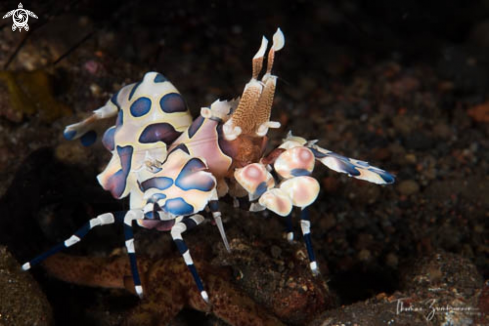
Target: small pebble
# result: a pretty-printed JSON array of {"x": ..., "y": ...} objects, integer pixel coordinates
[
  {"x": 364, "y": 255},
  {"x": 408, "y": 187},
  {"x": 410, "y": 158},
  {"x": 276, "y": 251},
  {"x": 392, "y": 260}
]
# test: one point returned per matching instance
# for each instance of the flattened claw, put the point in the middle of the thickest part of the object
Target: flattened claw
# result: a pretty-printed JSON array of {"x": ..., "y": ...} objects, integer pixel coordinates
[
  {"x": 255, "y": 179},
  {"x": 277, "y": 201},
  {"x": 295, "y": 162},
  {"x": 303, "y": 191}
]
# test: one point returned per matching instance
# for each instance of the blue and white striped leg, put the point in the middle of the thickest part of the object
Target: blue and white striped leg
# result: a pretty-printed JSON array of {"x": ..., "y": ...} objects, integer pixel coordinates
[
  {"x": 176, "y": 233},
  {"x": 129, "y": 238},
  {"x": 104, "y": 219},
  {"x": 289, "y": 228},
  {"x": 306, "y": 232}
]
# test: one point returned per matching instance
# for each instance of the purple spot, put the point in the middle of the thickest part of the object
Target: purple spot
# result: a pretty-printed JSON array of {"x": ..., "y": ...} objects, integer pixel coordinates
[
  {"x": 172, "y": 102},
  {"x": 108, "y": 139},
  {"x": 160, "y": 183},
  {"x": 159, "y": 132},
  {"x": 120, "y": 119},
  {"x": 140, "y": 107},
  {"x": 116, "y": 184},
  {"x": 195, "y": 126},
  {"x": 186, "y": 180},
  {"x": 181, "y": 147},
  {"x": 178, "y": 206}
]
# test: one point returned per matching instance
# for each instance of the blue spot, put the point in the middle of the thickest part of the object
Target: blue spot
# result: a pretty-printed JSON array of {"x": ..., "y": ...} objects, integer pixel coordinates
[
  {"x": 192, "y": 166},
  {"x": 70, "y": 134},
  {"x": 160, "y": 183},
  {"x": 388, "y": 178},
  {"x": 160, "y": 78},
  {"x": 181, "y": 147},
  {"x": 195, "y": 126},
  {"x": 120, "y": 119},
  {"x": 125, "y": 155},
  {"x": 362, "y": 163},
  {"x": 348, "y": 168},
  {"x": 88, "y": 138},
  {"x": 159, "y": 132},
  {"x": 149, "y": 215},
  {"x": 178, "y": 207},
  {"x": 260, "y": 190},
  {"x": 108, "y": 139},
  {"x": 300, "y": 172},
  {"x": 317, "y": 153},
  {"x": 187, "y": 181},
  {"x": 154, "y": 198},
  {"x": 172, "y": 102},
  {"x": 141, "y": 107},
  {"x": 133, "y": 90}
]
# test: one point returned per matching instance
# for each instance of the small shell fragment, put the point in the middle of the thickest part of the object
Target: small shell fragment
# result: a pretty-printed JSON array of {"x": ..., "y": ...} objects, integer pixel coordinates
[{"x": 277, "y": 201}]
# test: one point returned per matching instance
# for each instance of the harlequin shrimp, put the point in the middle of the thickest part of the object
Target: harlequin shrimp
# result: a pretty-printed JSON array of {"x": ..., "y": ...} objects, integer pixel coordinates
[{"x": 173, "y": 168}]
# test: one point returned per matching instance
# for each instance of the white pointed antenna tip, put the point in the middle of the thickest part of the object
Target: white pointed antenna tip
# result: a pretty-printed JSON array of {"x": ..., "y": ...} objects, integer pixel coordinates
[
  {"x": 139, "y": 291},
  {"x": 278, "y": 40},
  {"x": 262, "y": 49}
]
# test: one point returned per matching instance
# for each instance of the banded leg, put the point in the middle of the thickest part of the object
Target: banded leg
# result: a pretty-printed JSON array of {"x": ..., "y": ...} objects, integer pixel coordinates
[
  {"x": 104, "y": 219},
  {"x": 216, "y": 214},
  {"x": 306, "y": 232},
  {"x": 289, "y": 229},
  {"x": 129, "y": 241},
  {"x": 176, "y": 233}
]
